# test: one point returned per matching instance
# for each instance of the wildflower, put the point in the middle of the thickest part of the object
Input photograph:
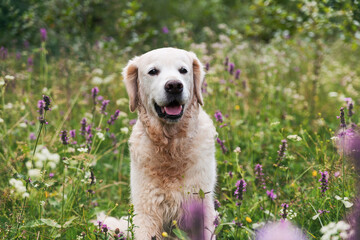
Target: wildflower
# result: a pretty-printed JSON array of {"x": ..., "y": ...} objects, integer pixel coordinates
[
  {"x": 43, "y": 33},
  {"x": 281, "y": 230},
  {"x": 226, "y": 63},
  {"x": 2, "y": 82},
  {"x": 271, "y": 194},
  {"x": 113, "y": 117},
  {"x": 100, "y": 136},
  {"x": 237, "y": 74},
  {"x": 3, "y": 53},
  {"x": 132, "y": 122},
  {"x": 72, "y": 133},
  {"x": 47, "y": 102},
  {"x": 260, "y": 175},
  {"x": 320, "y": 212},
  {"x": 284, "y": 206},
  {"x": 337, "y": 174},
  {"x": 230, "y": 174},
  {"x": 314, "y": 173},
  {"x": 237, "y": 150},
  {"x": 248, "y": 219},
  {"x": 124, "y": 130},
  {"x": 83, "y": 127},
  {"x": 164, "y": 234},
  {"x": 218, "y": 116},
  {"x": 34, "y": 173},
  {"x": 103, "y": 106},
  {"x": 207, "y": 66},
  {"x": 345, "y": 201},
  {"x": 32, "y": 136},
  {"x": 217, "y": 204},
  {"x": 82, "y": 150},
  {"x": 342, "y": 118},
  {"x": 240, "y": 188},
  {"x": 335, "y": 231},
  {"x": 51, "y": 175},
  {"x": 324, "y": 181},
  {"x": 165, "y": 30},
  {"x": 222, "y": 145},
  {"x": 231, "y": 68},
  {"x": 104, "y": 228},
  {"x": 216, "y": 221},
  {"x": 63, "y": 137},
  {"x": 282, "y": 149},
  {"x": 9, "y": 77},
  {"x": 41, "y": 106},
  {"x": 193, "y": 219},
  {"x": 19, "y": 186},
  {"x": 294, "y": 137},
  {"x": 94, "y": 93}
]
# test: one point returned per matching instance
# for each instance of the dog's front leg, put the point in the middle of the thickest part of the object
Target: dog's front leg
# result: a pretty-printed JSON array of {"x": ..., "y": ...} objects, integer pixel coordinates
[{"x": 147, "y": 225}]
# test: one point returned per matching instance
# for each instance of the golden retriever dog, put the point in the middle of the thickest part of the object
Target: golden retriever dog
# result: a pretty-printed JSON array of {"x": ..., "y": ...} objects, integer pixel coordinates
[{"x": 172, "y": 144}]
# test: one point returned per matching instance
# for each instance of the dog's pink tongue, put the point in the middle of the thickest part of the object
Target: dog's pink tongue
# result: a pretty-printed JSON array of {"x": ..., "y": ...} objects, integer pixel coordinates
[{"x": 173, "y": 110}]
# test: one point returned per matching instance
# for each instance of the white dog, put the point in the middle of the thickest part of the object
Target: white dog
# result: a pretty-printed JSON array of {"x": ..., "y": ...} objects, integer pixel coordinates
[{"x": 172, "y": 144}]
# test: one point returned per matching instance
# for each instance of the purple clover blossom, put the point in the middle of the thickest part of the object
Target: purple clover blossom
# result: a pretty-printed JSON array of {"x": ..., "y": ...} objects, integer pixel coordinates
[
  {"x": 281, "y": 230},
  {"x": 216, "y": 221},
  {"x": 32, "y": 136},
  {"x": 51, "y": 175},
  {"x": 64, "y": 138},
  {"x": 72, "y": 133},
  {"x": 218, "y": 116},
  {"x": 94, "y": 93},
  {"x": 43, "y": 33},
  {"x": 285, "y": 207},
  {"x": 192, "y": 220},
  {"x": 271, "y": 194},
  {"x": 324, "y": 182},
  {"x": 222, "y": 145},
  {"x": 231, "y": 68},
  {"x": 217, "y": 204},
  {"x": 83, "y": 127},
  {"x": 282, "y": 149},
  {"x": 237, "y": 74},
  {"x": 240, "y": 188},
  {"x": 103, "y": 106},
  {"x": 260, "y": 175}
]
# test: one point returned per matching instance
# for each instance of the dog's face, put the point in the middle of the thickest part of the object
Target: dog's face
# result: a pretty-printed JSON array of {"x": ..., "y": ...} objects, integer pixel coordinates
[{"x": 165, "y": 81}]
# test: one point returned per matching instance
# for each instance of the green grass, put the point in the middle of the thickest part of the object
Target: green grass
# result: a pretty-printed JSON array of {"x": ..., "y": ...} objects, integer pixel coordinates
[{"x": 277, "y": 102}]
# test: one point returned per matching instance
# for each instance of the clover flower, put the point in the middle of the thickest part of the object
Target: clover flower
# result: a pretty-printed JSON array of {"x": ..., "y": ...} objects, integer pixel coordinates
[
  {"x": 281, "y": 230},
  {"x": 324, "y": 182},
  {"x": 218, "y": 116},
  {"x": 260, "y": 175},
  {"x": 271, "y": 194}
]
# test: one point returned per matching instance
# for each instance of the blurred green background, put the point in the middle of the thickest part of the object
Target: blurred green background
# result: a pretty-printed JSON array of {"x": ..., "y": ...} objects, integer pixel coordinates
[{"x": 138, "y": 26}]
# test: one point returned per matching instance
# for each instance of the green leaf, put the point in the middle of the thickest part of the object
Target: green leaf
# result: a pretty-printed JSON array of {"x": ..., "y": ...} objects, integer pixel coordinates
[
  {"x": 218, "y": 229},
  {"x": 50, "y": 222},
  {"x": 68, "y": 222},
  {"x": 201, "y": 194},
  {"x": 180, "y": 234}
]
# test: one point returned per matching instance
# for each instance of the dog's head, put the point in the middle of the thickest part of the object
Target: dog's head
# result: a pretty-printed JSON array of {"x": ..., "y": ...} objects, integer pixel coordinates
[{"x": 164, "y": 81}]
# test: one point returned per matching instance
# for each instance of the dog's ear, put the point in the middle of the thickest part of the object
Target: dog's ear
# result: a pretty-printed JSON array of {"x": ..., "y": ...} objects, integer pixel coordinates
[
  {"x": 198, "y": 76},
  {"x": 130, "y": 75}
]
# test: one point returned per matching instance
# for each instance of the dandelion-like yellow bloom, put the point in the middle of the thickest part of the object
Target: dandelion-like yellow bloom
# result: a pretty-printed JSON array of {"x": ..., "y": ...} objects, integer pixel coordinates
[
  {"x": 314, "y": 173},
  {"x": 164, "y": 234},
  {"x": 237, "y": 107},
  {"x": 174, "y": 222},
  {"x": 248, "y": 220}
]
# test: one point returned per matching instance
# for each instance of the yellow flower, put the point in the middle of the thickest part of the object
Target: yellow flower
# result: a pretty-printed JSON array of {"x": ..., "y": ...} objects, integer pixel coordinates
[
  {"x": 174, "y": 222},
  {"x": 164, "y": 234},
  {"x": 314, "y": 173},
  {"x": 237, "y": 107},
  {"x": 248, "y": 220},
  {"x": 46, "y": 194}
]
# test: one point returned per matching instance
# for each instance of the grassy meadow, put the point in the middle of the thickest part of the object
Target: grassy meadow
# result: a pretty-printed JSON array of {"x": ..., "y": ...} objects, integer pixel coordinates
[{"x": 275, "y": 107}]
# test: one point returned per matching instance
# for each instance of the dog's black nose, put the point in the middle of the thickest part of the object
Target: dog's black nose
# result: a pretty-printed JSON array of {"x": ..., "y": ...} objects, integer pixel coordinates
[{"x": 174, "y": 87}]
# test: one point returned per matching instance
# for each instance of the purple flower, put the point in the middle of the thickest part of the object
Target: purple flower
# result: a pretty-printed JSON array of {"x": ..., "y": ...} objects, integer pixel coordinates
[
  {"x": 43, "y": 33},
  {"x": 285, "y": 206},
  {"x": 26, "y": 44},
  {"x": 94, "y": 93},
  {"x": 207, "y": 66},
  {"x": 32, "y": 136},
  {"x": 83, "y": 127},
  {"x": 72, "y": 133},
  {"x": 30, "y": 61},
  {"x": 63, "y": 137},
  {"x": 132, "y": 122},
  {"x": 222, "y": 145},
  {"x": 103, "y": 106},
  {"x": 342, "y": 118},
  {"x": 51, "y": 175},
  {"x": 282, "y": 230},
  {"x": 217, "y": 204},
  {"x": 47, "y": 102},
  {"x": 113, "y": 117},
  {"x": 192, "y": 221},
  {"x": 231, "y": 68},
  {"x": 260, "y": 175},
  {"x": 271, "y": 194},
  {"x": 216, "y": 221},
  {"x": 324, "y": 182},
  {"x": 282, "y": 149},
  {"x": 237, "y": 74},
  {"x": 3, "y": 53},
  {"x": 230, "y": 174},
  {"x": 240, "y": 188},
  {"x": 218, "y": 116},
  {"x": 165, "y": 30}
]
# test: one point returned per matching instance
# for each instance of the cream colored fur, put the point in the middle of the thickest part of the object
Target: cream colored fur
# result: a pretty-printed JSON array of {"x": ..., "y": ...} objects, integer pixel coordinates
[{"x": 170, "y": 161}]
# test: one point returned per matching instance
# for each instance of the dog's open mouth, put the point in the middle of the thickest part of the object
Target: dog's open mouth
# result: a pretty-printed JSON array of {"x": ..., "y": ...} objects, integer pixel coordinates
[{"x": 173, "y": 111}]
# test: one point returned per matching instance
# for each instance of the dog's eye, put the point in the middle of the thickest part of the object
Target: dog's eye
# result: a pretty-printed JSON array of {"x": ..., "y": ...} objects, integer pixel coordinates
[
  {"x": 153, "y": 72},
  {"x": 183, "y": 70}
]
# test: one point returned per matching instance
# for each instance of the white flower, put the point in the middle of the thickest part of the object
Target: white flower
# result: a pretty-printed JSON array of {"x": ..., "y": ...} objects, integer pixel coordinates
[
  {"x": 96, "y": 80},
  {"x": 1, "y": 120},
  {"x": 54, "y": 157},
  {"x": 42, "y": 203},
  {"x": 82, "y": 150},
  {"x": 274, "y": 123},
  {"x": 29, "y": 165},
  {"x": 100, "y": 136},
  {"x": 8, "y": 77},
  {"x": 345, "y": 201},
  {"x": 333, "y": 94},
  {"x": 52, "y": 165},
  {"x": 124, "y": 130},
  {"x": 8, "y": 106},
  {"x": 237, "y": 150},
  {"x": 18, "y": 185},
  {"x": 294, "y": 137},
  {"x": 97, "y": 71},
  {"x": 39, "y": 164},
  {"x": 258, "y": 225},
  {"x": 122, "y": 101},
  {"x": 71, "y": 150},
  {"x": 334, "y": 138},
  {"x": 22, "y": 125},
  {"x": 2, "y": 82},
  {"x": 25, "y": 195},
  {"x": 34, "y": 173}
]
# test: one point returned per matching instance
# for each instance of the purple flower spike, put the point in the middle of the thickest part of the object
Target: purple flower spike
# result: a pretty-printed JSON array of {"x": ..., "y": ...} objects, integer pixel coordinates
[
  {"x": 165, "y": 30},
  {"x": 193, "y": 219},
  {"x": 285, "y": 207},
  {"x": 271, "y": 194},
  {"x": 260, "y": 175},
  {"x": 237, "y": 74},
  {"x": 282, "y": 230},
  {"x": 324, "y": 182},
  {"x": 83, "y": 127},
  {"x": 94, "y": 93},
  {"x": 72, "y": 133},
  {"x": 231, "y": 68},
  {"x": 63, "y": 137},
  {"x": 222, "y": 145},
  {"x": 240, "y": 188},
  {"x": 342, "y": 118},
  {"x": 103, "y": 106},
  {"x": 282, "y": 149},
  {"x": 43, "y": 33},
  {"x": 218, "y": 116}
]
